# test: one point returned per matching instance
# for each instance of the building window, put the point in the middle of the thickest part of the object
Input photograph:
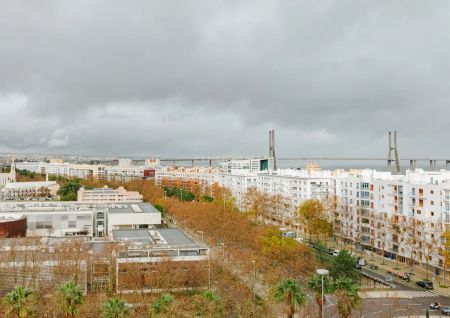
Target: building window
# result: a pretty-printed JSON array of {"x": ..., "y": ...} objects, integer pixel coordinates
[{"x": 72, "y": 224}]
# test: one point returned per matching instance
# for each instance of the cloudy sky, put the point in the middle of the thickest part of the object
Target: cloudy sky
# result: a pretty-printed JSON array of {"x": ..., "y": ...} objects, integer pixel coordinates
[{"x": 198, "y": 78}]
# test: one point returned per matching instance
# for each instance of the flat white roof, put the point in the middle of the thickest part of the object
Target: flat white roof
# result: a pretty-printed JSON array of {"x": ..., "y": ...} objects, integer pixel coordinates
[{"x": 29, "y": 185}]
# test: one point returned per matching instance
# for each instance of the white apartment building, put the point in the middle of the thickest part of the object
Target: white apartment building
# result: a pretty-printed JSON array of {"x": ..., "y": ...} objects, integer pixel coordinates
[
  {"x": 34, "y": 166},
  {"x": 85, "y": 171},
  {"x": 55, "y": 169},
  {"x": 294, "y": 185},
  {"x": 152, "y": 163},
  {"x": 251, "y": 164},
  {"x": 108, "y": 195},
  {"x": 125, "y": 163},
  {"x": 122, "y": 173},
  {"x": 82, "y": 171},
  {"x": 203, "y": 175},
  {"x": 238, "y": 183},
  {"x": 400, "y": 216}
]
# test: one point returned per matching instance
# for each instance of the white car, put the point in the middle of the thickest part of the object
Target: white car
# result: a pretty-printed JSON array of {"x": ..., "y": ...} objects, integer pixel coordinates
[{"x": 336, "y": 252}]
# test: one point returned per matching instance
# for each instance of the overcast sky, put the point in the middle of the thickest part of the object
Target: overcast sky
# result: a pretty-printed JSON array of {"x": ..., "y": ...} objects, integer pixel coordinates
[{"x": 199, "y": 78}]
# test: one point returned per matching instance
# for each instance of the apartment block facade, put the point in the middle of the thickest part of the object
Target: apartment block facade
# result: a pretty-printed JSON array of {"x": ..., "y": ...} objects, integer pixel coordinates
[
  {"x": 123, "y": 172},
  {"x": 399, "y": 216}
]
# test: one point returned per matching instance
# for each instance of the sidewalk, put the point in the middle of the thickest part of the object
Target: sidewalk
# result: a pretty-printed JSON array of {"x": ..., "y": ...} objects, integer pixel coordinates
[{"x": 419, "y": 272}]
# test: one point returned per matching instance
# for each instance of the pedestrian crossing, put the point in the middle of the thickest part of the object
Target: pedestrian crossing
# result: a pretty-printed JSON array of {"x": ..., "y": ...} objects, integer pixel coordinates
[{"x": 416, "y": 293}]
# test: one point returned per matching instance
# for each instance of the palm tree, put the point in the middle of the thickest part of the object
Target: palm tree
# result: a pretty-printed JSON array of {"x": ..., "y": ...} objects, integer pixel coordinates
[
  {"x": 17, "y": 301},
  {"x": 292, "y": 292},
  {"x": 346, "y": 291},
  {"x": 161, "y": 304},
  {"x": 72, "y": 298},
  {"x": 115, "y": 308}
]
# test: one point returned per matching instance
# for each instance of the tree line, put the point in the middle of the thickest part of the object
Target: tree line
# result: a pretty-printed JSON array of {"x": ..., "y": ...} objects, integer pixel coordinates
[{"x": 260, "y": 250}]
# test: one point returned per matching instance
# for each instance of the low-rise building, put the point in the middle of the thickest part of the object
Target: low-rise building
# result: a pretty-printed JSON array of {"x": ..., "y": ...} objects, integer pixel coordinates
[
  {"x": 30, "y": 190},
  {"x": 108, "y": 195},
  {"x": 143, "y": 260},
  {"x": 62, "y": 219},
  {"x": 152, "y": 260}
]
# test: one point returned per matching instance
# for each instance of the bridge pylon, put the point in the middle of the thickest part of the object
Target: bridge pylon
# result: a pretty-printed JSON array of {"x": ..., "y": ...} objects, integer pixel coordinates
[
  {"x": 272, "y": 148},
  {"x": 393, "y": 153}
]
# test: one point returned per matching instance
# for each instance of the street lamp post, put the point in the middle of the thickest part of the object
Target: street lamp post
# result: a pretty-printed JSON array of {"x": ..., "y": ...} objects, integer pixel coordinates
[{"x": 322, "y": 273}]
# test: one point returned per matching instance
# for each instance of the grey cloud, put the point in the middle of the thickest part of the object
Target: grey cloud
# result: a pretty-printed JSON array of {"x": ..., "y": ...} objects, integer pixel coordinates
[{"x": 211, "y": 77}]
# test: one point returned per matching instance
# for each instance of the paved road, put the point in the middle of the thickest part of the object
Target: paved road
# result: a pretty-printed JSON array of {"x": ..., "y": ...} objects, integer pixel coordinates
[
  {"x": 398, "y": 284},
  {"x": 396, "y": 307},
  {"x": 381, "y": 308}
]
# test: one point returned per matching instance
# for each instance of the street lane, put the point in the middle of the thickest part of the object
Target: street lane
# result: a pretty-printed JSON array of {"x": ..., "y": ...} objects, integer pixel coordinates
[{"x": 396, "y": 281}]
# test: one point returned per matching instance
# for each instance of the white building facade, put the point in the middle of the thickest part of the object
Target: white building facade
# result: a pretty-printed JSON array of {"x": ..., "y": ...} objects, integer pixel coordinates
[{"x": 108, "y": 195}]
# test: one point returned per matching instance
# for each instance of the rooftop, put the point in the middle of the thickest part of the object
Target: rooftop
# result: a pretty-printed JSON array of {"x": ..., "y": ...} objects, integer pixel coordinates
[
  {"x": 73, "y": 206},
  {"x": 28, "y": 185},
  {"x": 7, "y": 217},
  {"x": 135, "y": 207},
  {"x": 153, "y": 236}
]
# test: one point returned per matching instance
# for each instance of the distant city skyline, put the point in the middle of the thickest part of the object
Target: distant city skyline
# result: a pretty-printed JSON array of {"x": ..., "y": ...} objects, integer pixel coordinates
[{"x": 185, "y": 79}]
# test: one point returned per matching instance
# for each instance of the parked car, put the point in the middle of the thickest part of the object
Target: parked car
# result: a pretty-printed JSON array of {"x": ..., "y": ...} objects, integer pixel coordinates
[
  {"x": 336, "y": 252},
  {"x": 406, "y": 277},
  {"x": 425, "y": 284},
  {"x": 436, "y": 305},
  {"x": 374, "y": 267},
  {"x": 445, "y": 310},
  {"x": 361, "y": 262},
  {"x": 330, "y": 251},
  {"x": 358, "y": 266}
]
